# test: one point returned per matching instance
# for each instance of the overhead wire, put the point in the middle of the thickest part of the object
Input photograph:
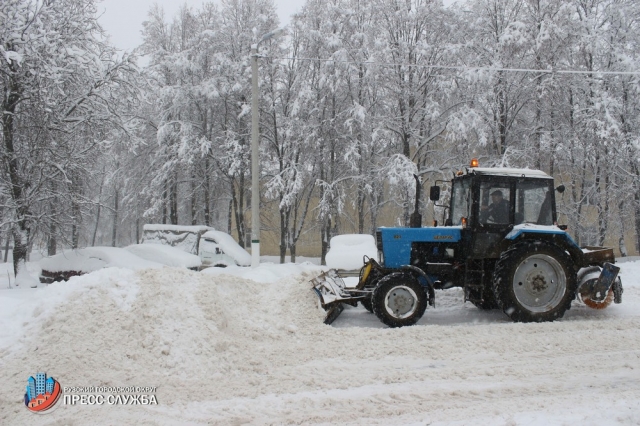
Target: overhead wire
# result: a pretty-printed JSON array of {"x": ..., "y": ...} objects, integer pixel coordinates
[{"x": 455, "y": 67}]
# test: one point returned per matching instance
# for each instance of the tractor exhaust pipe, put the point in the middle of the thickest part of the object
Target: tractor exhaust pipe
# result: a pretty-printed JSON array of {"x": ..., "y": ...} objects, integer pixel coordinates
[{"x": 415, "y": 221}]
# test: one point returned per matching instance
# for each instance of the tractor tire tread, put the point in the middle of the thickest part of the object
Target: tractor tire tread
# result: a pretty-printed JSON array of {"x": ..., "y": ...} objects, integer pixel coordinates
[{"x": 505, "y": 269}]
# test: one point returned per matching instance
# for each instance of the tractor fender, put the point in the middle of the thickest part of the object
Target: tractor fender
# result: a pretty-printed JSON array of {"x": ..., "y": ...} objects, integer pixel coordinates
[
  {"x": 550, "y": 234},
  {"x": 430, "y": 284}
]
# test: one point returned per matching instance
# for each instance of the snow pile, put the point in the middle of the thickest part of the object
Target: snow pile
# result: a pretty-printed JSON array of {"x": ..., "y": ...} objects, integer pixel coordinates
[
  {"x": 230, "y": 247},
  {"x": 93, "y": 258},
  {"x": 166, "y": 255},
  {"x": 347, "y": 251},
  {"x": 266, "y": 273},
  {"x": 226, "y": 349}
]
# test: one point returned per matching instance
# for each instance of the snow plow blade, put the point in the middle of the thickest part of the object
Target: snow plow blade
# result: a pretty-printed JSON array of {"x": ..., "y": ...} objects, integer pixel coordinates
[{"x": 332, "y": 293}]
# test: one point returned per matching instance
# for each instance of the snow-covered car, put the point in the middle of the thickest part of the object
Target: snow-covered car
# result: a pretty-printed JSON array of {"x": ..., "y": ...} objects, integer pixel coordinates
[
  {"x": 83, "y": 261},
  {"x": 218, "y": 248},
  {"x": 215, "y": 248},
  {"x": 347, "y": 251},
  {"x": 167, "y": 255},
  {"x": 184, "y": 237}
]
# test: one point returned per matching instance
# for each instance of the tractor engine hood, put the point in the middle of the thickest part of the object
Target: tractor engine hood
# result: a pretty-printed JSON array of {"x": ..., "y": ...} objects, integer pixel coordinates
[{"x": 395, "y": 243}]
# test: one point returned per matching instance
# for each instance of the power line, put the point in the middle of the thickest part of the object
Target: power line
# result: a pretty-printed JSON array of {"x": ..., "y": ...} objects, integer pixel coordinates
[{"x": 454, "y": 67}]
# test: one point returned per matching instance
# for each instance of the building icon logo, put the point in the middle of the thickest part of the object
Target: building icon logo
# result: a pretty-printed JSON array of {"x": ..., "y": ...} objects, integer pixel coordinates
[{"x": 42, "y": 392}]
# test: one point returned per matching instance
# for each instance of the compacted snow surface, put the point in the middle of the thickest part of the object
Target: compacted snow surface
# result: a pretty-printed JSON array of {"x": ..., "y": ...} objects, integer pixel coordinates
[{"x": 247, "y": 346}]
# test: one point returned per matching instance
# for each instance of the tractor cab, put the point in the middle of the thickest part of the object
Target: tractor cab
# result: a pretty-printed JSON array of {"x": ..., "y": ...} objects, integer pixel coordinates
[{"x": 487, "y": 203}]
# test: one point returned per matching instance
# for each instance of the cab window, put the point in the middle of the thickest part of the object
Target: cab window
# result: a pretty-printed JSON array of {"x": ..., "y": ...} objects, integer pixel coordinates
[
  {"x": 460, "y": 201},
  {"x": 533, "y": 202},
  {"x": 494, "y": 203}
]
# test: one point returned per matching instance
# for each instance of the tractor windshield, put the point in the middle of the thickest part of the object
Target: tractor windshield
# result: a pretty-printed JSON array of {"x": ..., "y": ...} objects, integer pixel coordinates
[
  {"x": 460, "y": 201},
  {"x": 533, "y": 202}
]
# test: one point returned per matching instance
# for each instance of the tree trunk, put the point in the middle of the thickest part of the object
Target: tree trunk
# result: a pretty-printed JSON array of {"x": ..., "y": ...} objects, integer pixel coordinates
[
  {"x": 603, "y": 202},
  {"x": 238, "y": 206},
  {"x": 53, "y": 229},
  {"x": 229, "y": 217},
  {"x": 194, "y": 199},
  {"x": 621, "y": 243},
  {"x": 20, "y": 229},
  {"x": 296, "y": 228},
  {"x": 51, "y": 241},
  {"x": 114, "y": 231},
  {"x": 95, "y": 229},
  {"x": 292, "y": 252},
  {"x": 20, "y": 245},
  {"x": 173, "y": 200},
  {"x": 284, "y": 225},
  {"x": 164, "y": 202},
  {"x": 326, "y": 237},
  {"x": 6, "y": 247},
  {"x": 207, "y": 190}
]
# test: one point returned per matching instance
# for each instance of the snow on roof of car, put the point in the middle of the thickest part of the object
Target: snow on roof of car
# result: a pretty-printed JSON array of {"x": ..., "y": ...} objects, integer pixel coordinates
[
  {"x": 230, "y": 247},
  {"x": 93, "y": 258},
  {"x": 167, "y": 255},
  {"x": 176, "y": 228},
  {"x": 505, "y": 171}
]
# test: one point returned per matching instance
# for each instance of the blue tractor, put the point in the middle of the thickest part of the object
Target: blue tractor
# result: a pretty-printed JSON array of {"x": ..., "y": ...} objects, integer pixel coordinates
[{"x": 500, "y": 243}]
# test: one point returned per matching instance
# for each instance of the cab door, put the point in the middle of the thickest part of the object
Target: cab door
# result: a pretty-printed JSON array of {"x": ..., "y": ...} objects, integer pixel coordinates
[{"x": 491, "y": 223}]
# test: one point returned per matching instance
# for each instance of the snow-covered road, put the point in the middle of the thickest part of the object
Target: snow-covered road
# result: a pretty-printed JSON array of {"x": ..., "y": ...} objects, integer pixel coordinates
[{"x": 246, "y": 346}]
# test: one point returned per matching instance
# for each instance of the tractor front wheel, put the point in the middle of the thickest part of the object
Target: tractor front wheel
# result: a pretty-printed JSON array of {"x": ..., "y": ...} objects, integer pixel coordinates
[
  {"x": 534, "y": 282},
  {"x": 366, "y": 303},
  {"x": 399, "y": 300}
]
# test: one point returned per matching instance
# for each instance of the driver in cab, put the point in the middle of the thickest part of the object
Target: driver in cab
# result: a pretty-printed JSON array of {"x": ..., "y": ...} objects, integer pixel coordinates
[{"x": 497, "y": 211}]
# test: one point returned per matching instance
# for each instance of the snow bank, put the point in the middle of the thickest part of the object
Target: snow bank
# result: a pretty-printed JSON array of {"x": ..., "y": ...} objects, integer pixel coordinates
[
  {"x": 347, "y": 251},
  {"x": 629, "y": 272},
  {"x": 24, "y": 311},
  {"x": 267, "y": 273},
  {"x": 225, "y": 349},
  {"x": 166, "y": 255}
]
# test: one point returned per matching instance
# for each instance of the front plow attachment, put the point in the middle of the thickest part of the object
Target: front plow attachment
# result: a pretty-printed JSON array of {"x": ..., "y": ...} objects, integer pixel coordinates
[{"x": 332, "y": 293}]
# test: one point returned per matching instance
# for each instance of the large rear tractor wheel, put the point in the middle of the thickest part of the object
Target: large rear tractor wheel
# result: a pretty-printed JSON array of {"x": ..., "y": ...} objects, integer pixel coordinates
[
  {"x": 399, "y": 300},
  {"x": 534, "y": 282}
]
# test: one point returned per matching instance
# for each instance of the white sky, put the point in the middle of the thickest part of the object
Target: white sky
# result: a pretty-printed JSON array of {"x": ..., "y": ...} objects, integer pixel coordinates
[{"x": 122, "y": 19}]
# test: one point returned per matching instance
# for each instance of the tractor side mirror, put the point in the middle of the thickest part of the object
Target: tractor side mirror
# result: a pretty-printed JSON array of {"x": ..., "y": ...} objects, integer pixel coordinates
[
  {"x": 560, "y": 189},
  {"x": 434, "y": 193}
]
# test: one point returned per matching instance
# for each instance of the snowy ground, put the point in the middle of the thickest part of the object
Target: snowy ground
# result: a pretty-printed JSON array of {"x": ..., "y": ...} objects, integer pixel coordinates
[{"x": 247, "y": 346}]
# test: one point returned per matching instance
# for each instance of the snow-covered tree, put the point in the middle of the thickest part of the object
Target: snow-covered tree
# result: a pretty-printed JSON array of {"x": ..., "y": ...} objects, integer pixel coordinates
[{"x": 65, "y": 95}]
